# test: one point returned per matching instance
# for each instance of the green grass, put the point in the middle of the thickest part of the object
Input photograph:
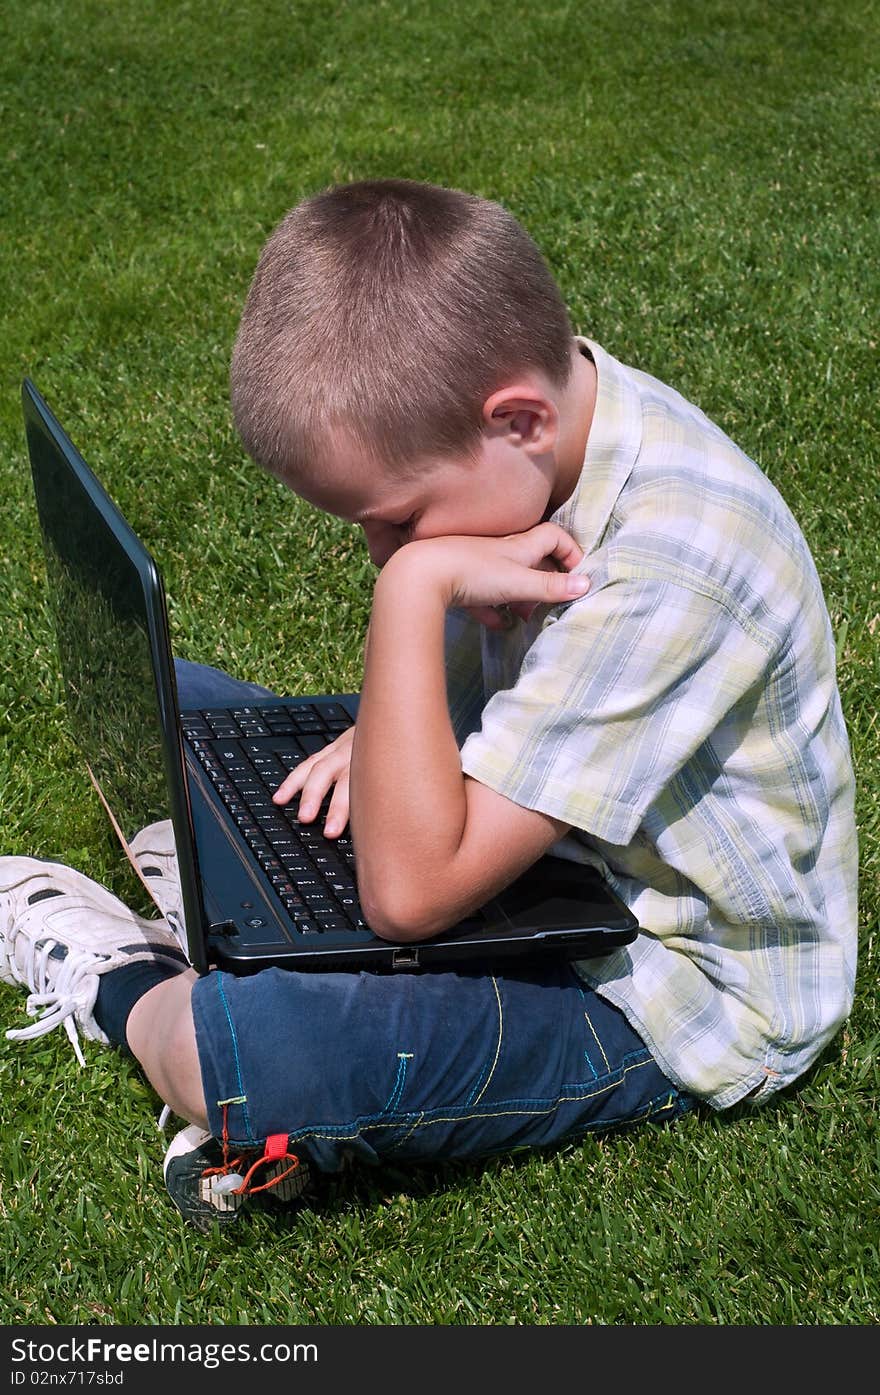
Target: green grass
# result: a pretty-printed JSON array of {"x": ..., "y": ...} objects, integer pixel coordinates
[{"x": 702, "y": 177}]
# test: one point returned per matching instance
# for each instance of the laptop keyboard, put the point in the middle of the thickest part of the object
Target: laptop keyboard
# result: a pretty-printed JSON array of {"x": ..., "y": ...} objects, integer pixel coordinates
[{"x": 246, "y": 752}]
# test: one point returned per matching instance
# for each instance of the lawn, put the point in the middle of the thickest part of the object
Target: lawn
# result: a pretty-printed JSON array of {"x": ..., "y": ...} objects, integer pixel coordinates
[{"x": 700, "y": 177}]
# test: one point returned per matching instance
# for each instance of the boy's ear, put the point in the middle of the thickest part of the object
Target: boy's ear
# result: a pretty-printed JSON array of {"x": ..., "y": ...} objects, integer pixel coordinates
[{"x": 525, "y": 414}]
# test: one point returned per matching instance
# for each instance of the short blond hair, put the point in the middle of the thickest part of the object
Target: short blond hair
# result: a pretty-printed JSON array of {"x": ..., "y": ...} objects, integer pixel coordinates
[{"x": 389, "y": 310}]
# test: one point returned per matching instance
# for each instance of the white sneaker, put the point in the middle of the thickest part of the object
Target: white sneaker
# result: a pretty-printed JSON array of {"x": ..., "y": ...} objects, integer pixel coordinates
[
  {"x": 154, "y": 851},
  {"x": 59, "y": 931}
]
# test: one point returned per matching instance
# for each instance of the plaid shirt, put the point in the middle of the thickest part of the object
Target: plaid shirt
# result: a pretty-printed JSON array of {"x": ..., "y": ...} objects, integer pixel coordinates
[{"x": 684, "y": 718}]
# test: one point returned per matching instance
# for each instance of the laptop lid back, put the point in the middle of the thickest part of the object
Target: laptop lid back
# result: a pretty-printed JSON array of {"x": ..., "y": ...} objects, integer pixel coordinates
[{"x": 107, "y": 597}]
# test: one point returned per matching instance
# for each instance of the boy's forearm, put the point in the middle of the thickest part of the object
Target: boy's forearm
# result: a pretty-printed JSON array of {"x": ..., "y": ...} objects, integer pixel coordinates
[
  {"x": 408, "y": 802},
  {"x": 431, "y": 844}
]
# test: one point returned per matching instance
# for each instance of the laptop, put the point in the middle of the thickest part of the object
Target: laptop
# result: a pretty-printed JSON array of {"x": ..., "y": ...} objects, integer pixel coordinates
[{"x": 258, "y": 888}]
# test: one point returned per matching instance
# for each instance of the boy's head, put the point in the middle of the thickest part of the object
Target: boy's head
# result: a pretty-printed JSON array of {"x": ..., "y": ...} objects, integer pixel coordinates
[{"x": 381, "y": 319}]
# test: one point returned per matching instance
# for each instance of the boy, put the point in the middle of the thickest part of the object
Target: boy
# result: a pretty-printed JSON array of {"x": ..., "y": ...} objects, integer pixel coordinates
[{"x": 610, "y": 640}]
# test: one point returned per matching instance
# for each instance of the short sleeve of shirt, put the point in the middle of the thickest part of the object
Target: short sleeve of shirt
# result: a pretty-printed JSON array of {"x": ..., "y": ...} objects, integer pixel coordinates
[{"x": 613, "y": 697}]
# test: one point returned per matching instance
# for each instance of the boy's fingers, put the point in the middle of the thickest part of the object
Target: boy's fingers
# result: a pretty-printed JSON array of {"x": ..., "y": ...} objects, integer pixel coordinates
[
  {"x": 313, "y": 792},
  {"x": 313, "y": 784},
  {"x": 289, "y": 785},
  {"x": 540, "y": 585},
  {"x": 298, "y": 779},
  {"x": 552, "y": 542},
  {"x": 314, "y": 777},
  {"x": 563, "y": 586},
  {"x": 337, "y": 814}
]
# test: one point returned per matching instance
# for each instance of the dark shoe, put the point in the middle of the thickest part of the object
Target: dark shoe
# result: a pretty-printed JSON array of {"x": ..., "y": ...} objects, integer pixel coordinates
[{"x": 209, "y": 1184}]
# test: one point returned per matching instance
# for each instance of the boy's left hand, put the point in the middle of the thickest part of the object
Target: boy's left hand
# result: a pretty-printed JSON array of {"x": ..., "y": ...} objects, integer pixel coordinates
[{"x": 519, "y": 571}]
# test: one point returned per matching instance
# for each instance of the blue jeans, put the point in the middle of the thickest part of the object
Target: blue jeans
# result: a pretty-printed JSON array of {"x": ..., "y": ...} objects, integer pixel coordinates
[{"x": 424, "y": 1066}]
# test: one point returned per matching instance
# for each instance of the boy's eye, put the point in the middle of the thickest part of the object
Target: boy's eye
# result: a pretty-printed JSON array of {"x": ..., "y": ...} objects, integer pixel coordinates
[{"x": 407, "y": 527}]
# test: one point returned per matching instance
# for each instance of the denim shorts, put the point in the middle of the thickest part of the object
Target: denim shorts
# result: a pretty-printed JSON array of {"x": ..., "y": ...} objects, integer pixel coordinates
[{"x": 423, "y": 1066}]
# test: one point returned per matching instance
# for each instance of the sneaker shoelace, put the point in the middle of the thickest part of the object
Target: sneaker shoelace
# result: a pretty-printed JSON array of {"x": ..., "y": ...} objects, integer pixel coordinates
[
  {"x": 74, "y": 989},
  {"x": 52, "y": 1003}
]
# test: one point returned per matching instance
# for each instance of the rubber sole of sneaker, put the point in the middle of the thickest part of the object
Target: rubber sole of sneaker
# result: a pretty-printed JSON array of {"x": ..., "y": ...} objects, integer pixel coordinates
[{"x": 202, "y": 1200}]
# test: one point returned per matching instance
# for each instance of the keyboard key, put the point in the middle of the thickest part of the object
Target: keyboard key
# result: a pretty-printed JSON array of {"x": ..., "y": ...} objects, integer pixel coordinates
[
  {"x": 269, "y": 770},
  {"x": 332, "y": 712},
  {"x": 312, "y": 743},
  {"x": 317, "y": 901},
  {"x": 196, "y": 731},
  {"x": 333, "y": 922},
  {"x": 291, "y": 759},
  {"x": 256, "y": 745},
  {"x": 328, "y": 862},
  {"x": 250, "y": 787},
  {"x": 283, "y": 846},
  {"x": 229, "y": 755},
  {"x": 308, "y": 927},
  {"x": 340, "y": 885},
  {"x": 285, "y": 888}
]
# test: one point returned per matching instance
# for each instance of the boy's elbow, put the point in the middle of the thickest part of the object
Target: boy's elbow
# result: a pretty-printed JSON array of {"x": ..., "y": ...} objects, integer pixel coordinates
[{"x": 399, "y": 915}]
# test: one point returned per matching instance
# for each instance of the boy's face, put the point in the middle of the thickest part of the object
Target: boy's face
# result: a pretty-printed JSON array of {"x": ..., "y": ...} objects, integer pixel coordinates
[{"x": 503, "y": 490}]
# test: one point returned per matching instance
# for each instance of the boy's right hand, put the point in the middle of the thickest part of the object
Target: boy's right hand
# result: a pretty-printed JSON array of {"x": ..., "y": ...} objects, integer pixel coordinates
[{"x": 314, "y": 777}]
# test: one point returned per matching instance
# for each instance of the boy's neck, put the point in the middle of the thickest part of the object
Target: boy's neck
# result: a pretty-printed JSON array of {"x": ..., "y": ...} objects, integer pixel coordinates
[{"x": 576, "y": 406}]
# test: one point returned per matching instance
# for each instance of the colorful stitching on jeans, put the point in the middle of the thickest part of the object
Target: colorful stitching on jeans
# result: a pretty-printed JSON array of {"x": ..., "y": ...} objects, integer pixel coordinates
[
  {"x": 416, "y": 1120},
  {"x": 354, "y": 1130},
  {"x": 670, "y": 1101},
  {"x": 491, "y": 1069},
  {"x": 393, "y": 1098},
  {"x": 236, "y": 1057},
  {"x": 589, "y": 1022},
  {"x": 639, "y": 1057},
  {"x": 596, "y": 1038}
]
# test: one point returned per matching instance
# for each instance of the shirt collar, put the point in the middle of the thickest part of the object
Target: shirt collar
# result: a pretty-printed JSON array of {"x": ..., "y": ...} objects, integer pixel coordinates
[{"x": 612, "y": 450}]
